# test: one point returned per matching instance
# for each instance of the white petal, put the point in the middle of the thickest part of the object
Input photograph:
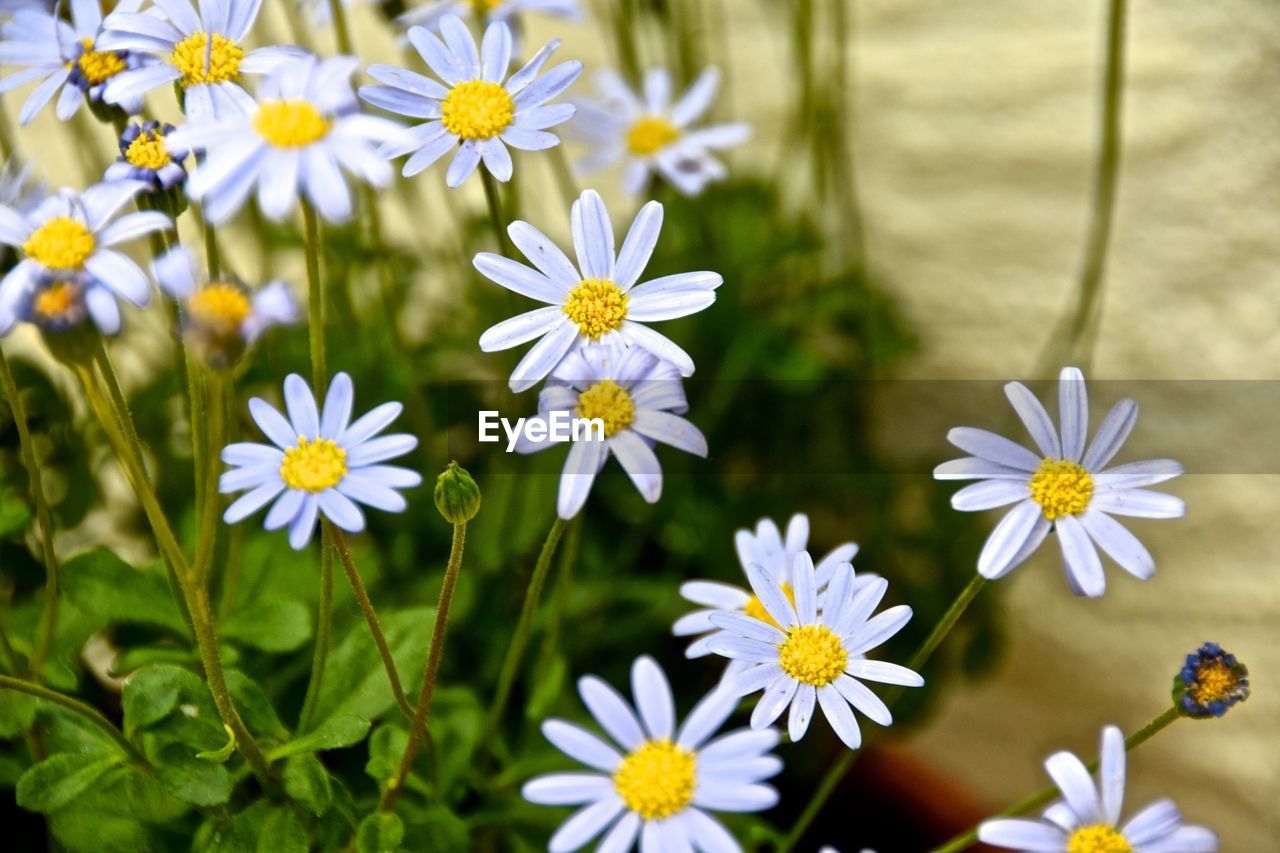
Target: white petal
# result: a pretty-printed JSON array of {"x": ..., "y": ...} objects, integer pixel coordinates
[
  {"x": 994, "y": 448},
  {"x": 774, "y": 701},
  {"x": 861, "y": 697},
  {"x": 517, "y": 277},
  {"x": 1111, "y": 774},
  {"x": 974, "y": 468},
  {"x": 884, "y": 672},
  {"x": 1111, "y": 435},
  {"x": 713, "y": 594},
  {"x": 742, "y": 625},
  {"x": 1081, "y": 557},
  {"x": 1146, "y": 473},
  {"x": 1119, "y": 544},
  {"x": 522, "y": 328},
  {"x": 581, "y": 745},
  {"x": 840, "y": 716},
  {"x": 652, "y": 694},
  {"x": 611, "y": 711},
  {"x": 1022, "y": 834},
  {"x": 706, "y": 718},
  {"x": 1007, "y": 539},
  {"x": 989, "y": 494},
  {"x": 543, "y": 254},
  {"x": 1152, "y": 822},
  {"x": 580, "y": 469},
  {"x": 751, "y": 679},
  {"x": 1073, "y": 412},
  {"x": 120, "y": 274},
  {"x": 301, "y": 405},
  {"x": 567, "y": 789},
  {"x": 339, "y": 509},
  {"x": 585, "y": 825},
  {"x": 639, "y": 461},
  {"x": 801, "y": 712},
  {"x": 738, "y": 798},
  {"x": 272, "y": 423},
  {"x": 1073, "y": 780},
  {"x": 1185, "y": 839},
  {"x": 592, "y": 236},
  {"x": 638, "y": 245},
  {"x": 769, "y": 591},
  {"x": 1035, "y": 418}
]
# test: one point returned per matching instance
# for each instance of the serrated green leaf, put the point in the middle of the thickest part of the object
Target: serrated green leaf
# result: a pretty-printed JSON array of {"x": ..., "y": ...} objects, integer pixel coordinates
[
  {"x": 151, "y": 694},
  {"x": 307, "y": 783},
  {"x": 60, "y": 778},
  {"x": 333, "y": 733},
  {"x": 254, "y": 706},
  {"x": 380, "y": 833},
  {"x": 272, "y": 626},
  {"x": 354, "y": 680},
  {"x": 182, "y": 774},
  {"x": 101, "y": 584},
  {"x": 17, "y": 713}
]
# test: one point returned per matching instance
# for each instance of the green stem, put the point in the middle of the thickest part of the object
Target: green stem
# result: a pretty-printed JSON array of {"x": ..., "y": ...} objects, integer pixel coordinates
[
  {"x": 315, "y": 306},
  {"x": 324, "y": 631},
  {"x": 370, "y": 615},
  {"x": 339, "y": 14},
  {"x": 212, "y": 257},
  {"x": 496, "y": 218},
  {"x": 214, "y": 439},
  {"x": 44, "y": 519},
  {"x": 418, "y": 730},
  {"x": 89, "y": 713},
  {"x": 524, "y": 626},
  {"x": 1048, "y": 795}
]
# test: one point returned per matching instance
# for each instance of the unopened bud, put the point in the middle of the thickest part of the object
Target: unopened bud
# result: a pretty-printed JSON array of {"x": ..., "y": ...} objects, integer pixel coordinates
[{"x": 457, "y": 495}]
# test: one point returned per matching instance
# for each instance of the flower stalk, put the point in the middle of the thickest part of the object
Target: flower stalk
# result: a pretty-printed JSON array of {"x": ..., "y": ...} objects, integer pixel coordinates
[{"x": 20, "y": 685}]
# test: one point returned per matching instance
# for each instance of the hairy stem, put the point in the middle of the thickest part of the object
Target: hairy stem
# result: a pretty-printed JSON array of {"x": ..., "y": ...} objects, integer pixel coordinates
[{"x": 90, "y": 713}]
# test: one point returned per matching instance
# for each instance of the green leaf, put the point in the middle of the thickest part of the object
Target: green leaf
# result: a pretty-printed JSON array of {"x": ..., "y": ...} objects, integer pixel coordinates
[
  {"x": 254, "y": 706},
  {"x": 333, "y": 733},
  {"x": 101, "y": 584},
  {"x": 307, "y": 783},
  {"x": 15, "y": 513},
  {"x": 10, "y": 769},
  {"x": 152, "y": 693},
  {"x": 282, "y": 832},
  {"x": 201, "y": 783},
  {"x": 272, "y": 626},
  {"x": 61, "y": 778},
  {"x": 386, "y": 748},
  {"x": 100, "y": 831},
  {"x": 548, "y": 688},
  {"x": 440, "y": 830},
  {"x": 17, "y": 713},
  {"x": 380, "y": 833}
]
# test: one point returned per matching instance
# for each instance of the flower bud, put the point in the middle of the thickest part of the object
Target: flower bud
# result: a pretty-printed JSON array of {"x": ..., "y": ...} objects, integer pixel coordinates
[
  {"x": 457, "y": 495},
  {"x": 1210, "y": 682}
]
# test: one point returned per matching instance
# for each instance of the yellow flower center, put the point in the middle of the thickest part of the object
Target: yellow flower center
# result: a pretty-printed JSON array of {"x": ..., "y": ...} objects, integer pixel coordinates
[
  {"x": 597, "y": 305},
  {"x": 477, "y": 109},
  {"x": 756, "y": 608},
  {"x": 313, "y": 466},
  {"x": 813, "y": 654},
  {"x": 1214, "y": 683},
  {"x": 1099, "y": 838},
  {"x": 61, "y": 243},
  {"x": 607, "y": 401},
  {"x": 201, "y": 63},
  {"x": 290, "y": 124},
  {"x": 98, "y": 66},
  {"x": 1061, "y": 487},
  {"x": 220, "y": 307},
  {"x": 650, "y": 134},
  {"x": 56, "y": 301},
  {"x": 483, "y": 7},
  {"x": 148, "y": 151},
  {"x": 657, "y": 780}
]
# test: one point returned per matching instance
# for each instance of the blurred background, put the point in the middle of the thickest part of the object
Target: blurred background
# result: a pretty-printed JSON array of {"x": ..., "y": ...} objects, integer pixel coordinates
[{"x": 913, "y": 206}]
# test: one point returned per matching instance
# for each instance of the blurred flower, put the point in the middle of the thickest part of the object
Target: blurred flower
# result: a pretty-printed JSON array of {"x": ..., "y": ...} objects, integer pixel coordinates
[
  {"x": 1210, "y": 682},
  {"x": 201, "y": 53},
  {"x": 322, "y": 464},
  {"x": 293, "y": 139},
  {"x": 660, "y": 781},
  {"x": 476, "y": 113},
  {"x": 432, "y": 14},
  {"x": 767, "y": 549},
  {"x": 56, "y": 302},
  {"x": 596, "y": 301},
  {"x": 69, "y": 236},
  {"x": 1088, "y": 819},
  {"x": 56, "y": 52},
  {"x": 1065, "y": 488},
  {"x": 816, "y": 658},
  {"x": 638, "y": 398},
  {"x": 222, "y": 317},
  {"x": 321, "y": 11},
  {"x": 19, "y": 190},
  {"x": 651, "y": 134},
  {"x": 145, "y": 157}
]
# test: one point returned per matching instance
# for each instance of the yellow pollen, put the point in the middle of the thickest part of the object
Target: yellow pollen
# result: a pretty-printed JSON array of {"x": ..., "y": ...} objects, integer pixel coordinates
[
  {"x": 483, "y": 7},
  {"x": 650, "y": 134},
  {"x": 56, "y": 300},
  {"x": 61, "y": 243},
  {"x": 148, "y": 151},
  {"x": 219, "y": 307},
  {"x": 1099, "y": 838},
  {"x": 98, "y": 66},
  {"x": 314, "y": 465},
  {"x": 1061, "y": 487},
  {"x": 607, "y": 401},
  {"x": 597, "y": 305},
  {"x": 813, "y": 654},
  {"x": 477, "y": 109},
  {"x": 199, "y": 63},
  {"x": 756, "y": 608},
  {"x": 1214, "y": 682},
  {"x": 656, "y": 781},
  {"x": 290, "y": 124}
]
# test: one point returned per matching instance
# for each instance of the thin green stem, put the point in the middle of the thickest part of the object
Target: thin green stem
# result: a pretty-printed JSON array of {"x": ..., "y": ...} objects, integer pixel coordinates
[
  {"x": 947, "y": 622},
  {"x": 524, "y": 627},
  {"x": 316, "y": 298},
  {"x": 496, "y": 217},
  {"x": 44, "y": 519},
  {"x": 89, "y": 713},
  {"x": 324, "y": 631},
  {"x": 1051, "y": 793},
  {"x": 212, "y": 257},
  {"x": 370, "y": 615},
  {"x": 418, "y": 730},
  {"x": 215, "y": 384},
  {"x": 340, "y": 28}
]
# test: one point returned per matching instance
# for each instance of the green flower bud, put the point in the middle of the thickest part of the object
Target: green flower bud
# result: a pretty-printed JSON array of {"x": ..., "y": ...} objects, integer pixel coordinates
[{"x": 457, "y": 495}]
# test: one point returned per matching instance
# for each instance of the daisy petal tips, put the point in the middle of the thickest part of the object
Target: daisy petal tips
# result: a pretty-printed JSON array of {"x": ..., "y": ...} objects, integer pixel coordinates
[
  {"x": 803, "y": 657},
  {"x": 318, "y": 463},
  {"x": 1065, "y": 486},
  {"x": 596, "y": 301},
  {"x": 478, "y": 109},
  {"x": 653, "y": 781}
]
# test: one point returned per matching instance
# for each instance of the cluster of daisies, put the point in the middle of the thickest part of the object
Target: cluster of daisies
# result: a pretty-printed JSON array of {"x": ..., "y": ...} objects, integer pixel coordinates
[{"x": 799, "y": 633}]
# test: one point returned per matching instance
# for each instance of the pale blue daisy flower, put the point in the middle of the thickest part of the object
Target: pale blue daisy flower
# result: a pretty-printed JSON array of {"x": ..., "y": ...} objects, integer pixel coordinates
[
  {"x": 299, "y": 136},
  {"x": 319, "y": 464},
  {"x": 474, "y": 111},
  {"x": 431, "y": 14},
  {"x": 598, "y": 301}
]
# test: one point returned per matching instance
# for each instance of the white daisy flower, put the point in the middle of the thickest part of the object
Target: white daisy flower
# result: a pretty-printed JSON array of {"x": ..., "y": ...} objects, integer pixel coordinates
[
  {"x": 297, "y": 137},
  {"x": 322, "y": 463},
  {"x": 1065, "y": 487},
  {"x": 598, "y": 301},
  {"x": 652, "y": 134},
  {"x": 637, "y": 397},
  {"x": 201, "y": 53},
  {"x": 68, "y": 58},
  {"x": 818, "y": 657},
  {"x": 658, "y": 782},
  {"x": 222, "y": 317},
  {"x": 144, "y": 156},
  {"x": 69, "y": 236},
  {"x": 767, "y": 548},
  {"x": 60, "y": 302},
  {"x": 474, "y": 112},
  {"x": 1088, "y": 819},
  {"x": 431, "y": 14}
]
